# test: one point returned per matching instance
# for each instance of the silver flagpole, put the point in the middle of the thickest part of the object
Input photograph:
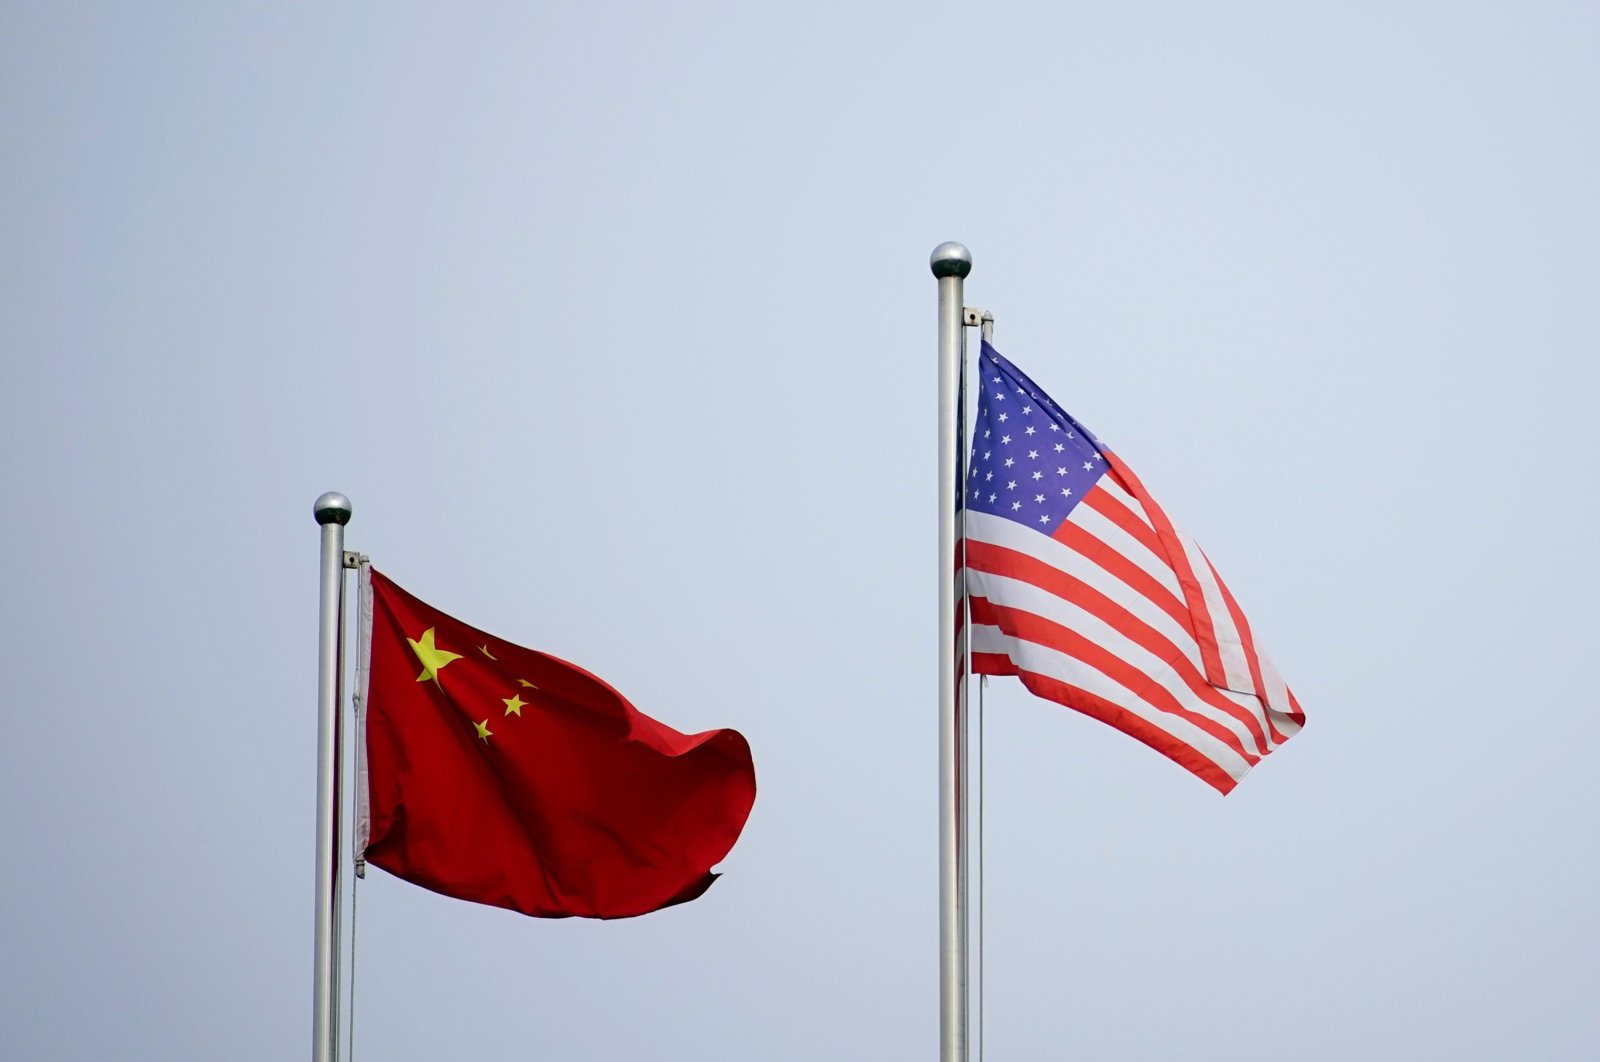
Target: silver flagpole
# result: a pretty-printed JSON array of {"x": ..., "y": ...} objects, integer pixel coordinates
[
  {"x": 951, "y": 263},
  {"x": 332, "y": 511}
]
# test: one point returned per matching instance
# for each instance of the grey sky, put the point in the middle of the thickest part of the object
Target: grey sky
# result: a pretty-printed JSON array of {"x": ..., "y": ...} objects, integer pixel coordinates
[{"x": 615, "y": 323}]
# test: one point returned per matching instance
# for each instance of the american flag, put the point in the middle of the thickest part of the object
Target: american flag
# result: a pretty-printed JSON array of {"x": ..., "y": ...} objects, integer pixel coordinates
[{"x": 1079, "y": 585}]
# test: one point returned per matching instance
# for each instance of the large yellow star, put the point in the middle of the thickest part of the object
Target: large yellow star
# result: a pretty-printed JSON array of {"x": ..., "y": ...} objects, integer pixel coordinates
[
  {"x": 514, "y": 704},
  {"x": 483, "y": 731},
  {"x": 432, "y": 657}
]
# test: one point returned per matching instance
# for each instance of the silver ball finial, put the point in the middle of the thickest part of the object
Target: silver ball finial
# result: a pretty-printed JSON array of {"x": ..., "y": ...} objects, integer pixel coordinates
[
  {"x": 332, "y": 508},
  {"x": 950, "y": 260}
]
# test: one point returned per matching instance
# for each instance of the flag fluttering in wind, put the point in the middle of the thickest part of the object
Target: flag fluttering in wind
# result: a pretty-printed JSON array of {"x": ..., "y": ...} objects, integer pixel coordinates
[
  {"x": 1079, "y": 585},
  {"x": 509, "y": 777}
]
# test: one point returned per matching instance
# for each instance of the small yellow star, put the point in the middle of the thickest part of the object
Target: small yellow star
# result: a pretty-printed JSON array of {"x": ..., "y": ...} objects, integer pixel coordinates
[
  {"x": 525, "y": 682},
  {"x": 514, "y": 704},
  {"x": 483, "y": 731},
  {"x": 432, "y": 657},
  {"x": 484, "y": 649}
]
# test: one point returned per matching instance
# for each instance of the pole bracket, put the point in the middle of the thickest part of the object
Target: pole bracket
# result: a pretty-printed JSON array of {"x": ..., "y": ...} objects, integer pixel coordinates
[
  {"x": 981, "y": 319},
  {"x": 352, "y": 559}
]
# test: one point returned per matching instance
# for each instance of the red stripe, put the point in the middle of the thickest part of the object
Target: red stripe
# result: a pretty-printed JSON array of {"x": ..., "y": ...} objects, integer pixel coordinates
[
  {"x": 1052, "y": 635},
  {"x": 1104, "y": 556},
  {"x": 993, "y": 664},
  {"x": 1015, "y": 564},
  {"x": 1248, "y": 643},
  {"x": 1204, "y": 634},
  {"x": 1181, "y": 753},
  {"x": 1112, "y": 508},
  {"x": 986, "y": 557}
]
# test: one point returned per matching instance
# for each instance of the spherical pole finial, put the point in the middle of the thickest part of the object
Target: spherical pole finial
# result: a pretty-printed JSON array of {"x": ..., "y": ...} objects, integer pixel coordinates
[
  {"x": 332, "y": 508},
  {"x": 950, "y": 259}
]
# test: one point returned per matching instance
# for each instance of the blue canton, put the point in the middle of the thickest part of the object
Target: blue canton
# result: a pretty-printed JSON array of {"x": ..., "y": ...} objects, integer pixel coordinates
[{"x": 1029, "y": 462}]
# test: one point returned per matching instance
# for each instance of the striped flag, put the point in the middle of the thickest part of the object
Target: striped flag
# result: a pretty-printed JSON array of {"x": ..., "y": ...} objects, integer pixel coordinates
[{"x": 1079, "y": 585}]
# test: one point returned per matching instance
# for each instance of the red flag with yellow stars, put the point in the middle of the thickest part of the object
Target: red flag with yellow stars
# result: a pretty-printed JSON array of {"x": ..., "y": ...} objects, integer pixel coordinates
[{"x": 509, "y": 777}]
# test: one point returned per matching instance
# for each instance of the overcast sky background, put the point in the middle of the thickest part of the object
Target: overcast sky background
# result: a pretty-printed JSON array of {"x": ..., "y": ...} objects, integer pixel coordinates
[{"x": 616, "y": 325}]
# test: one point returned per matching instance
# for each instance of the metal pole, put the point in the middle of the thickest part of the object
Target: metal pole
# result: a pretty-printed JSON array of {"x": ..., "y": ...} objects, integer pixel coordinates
[
  {"x": 950, "y": 263},
  {"x": 981, "y": 775},
  {"x": 332, "y": 511}
]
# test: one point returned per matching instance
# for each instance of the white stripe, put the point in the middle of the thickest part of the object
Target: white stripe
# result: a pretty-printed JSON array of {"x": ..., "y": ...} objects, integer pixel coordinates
[
  {"x": 1235, "y": 665},
  {"x": 1252, "y": 704},
  {"x": 1007, "y": 533},
  {"x": 1277, "y": 690},
  {"x": 1042, "y": 660},
  {"x": 1157, "y": 619},
  {"x": 1280, "y": 711},
  {"x": 1235, "y": 662},
  {"x": 1049, "y": 552},
  {"x": 999, "y": 531},
  {"x": 1025, "y": 597},
  {"x": 1108, "y": 531},
  {"x": 1113, "y": 488},
  {"x": 1230, "y": 643}
]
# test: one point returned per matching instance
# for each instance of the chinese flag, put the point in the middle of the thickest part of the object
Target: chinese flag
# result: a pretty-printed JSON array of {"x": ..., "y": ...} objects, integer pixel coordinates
[{"x": 509, "y": 777}]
